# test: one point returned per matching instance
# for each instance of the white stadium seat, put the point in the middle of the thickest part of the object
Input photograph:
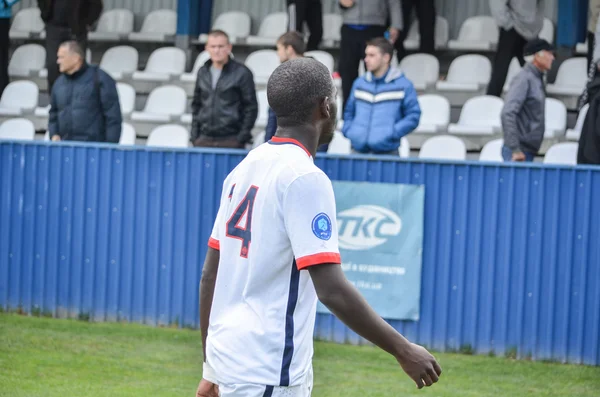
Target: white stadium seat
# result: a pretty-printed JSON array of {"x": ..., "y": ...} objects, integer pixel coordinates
[
  {"x": 27, "y": 61},
  {"x": 581, "y": 48},
  {"x": 562, "y": 153},
  {"x": 273, "y": 26},
  {"x": 332, "y": 26},
  {"x": 186, "y": 118},
  {"x": 19, "y": 98},
  {"x": 435, "y": 114},
  {"x": 235, "y": 23},
  {"x": 113, "y": 25},
  {"x": 468, "y": 76},
  {"x": 547, "y": 32},
  {"x": 263, "y": 109},
  {"x": 423, "y": 70},
  {"x": 479, "y": 33},
  {"x": 443, "y": 147},
  {"x": 492, "y": 151},
  {"x": 573, "y": 134},
  {"x": 324, "y": 57},
  {"x": 17, "y": 129},
  {"x": 570, "y": 81},
  {"x": 127, "y": 134},
  {"x": 340, "y": 144},
  {"x": 479, "y": 116},
  {"x": 165, "y": 104},
  {"x": 158, "y": 26},
  {"x": 164, "y": 64},
  {"x": 555, "y": 118},
  {"x": 513, "y": 70},
  {"x": 26, "y": 24},
  {"x": 404, "y": 149},
  {"x": 169, "y": 136},
  {"x": 126, "y": 99},
  {"x": 442, "y": 29},
  {"x": 262, "y": 63},
  {"x": 120, "y": 62}
]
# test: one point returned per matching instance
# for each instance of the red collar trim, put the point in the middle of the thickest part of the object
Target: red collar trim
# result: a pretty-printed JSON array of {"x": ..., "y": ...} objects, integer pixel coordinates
[{"x": 279, "y": 141}]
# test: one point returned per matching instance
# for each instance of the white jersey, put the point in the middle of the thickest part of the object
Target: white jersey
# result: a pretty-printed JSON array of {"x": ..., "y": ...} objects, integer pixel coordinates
[{"x": 276, "y": 217}]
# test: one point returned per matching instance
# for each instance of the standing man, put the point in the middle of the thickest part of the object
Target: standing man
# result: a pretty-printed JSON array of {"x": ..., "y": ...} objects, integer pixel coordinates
[
  {"x": 593, "y": 13},
  {"x": 364, "y": 20},
  {"x": 519, "y": 21},
  {"x": 383, "y": 105},
  {"x": 311, "y": 12},
  {"x": 5, "y": 15},
  {"x": 84, "y": 104},
  {"x": 66, "y": 20},
  {"x": 524, "y": 106},
  {"x": 274, "y": 250},
  {"x": 425, "y": 10},
  {"x": 224, "y": 107}
]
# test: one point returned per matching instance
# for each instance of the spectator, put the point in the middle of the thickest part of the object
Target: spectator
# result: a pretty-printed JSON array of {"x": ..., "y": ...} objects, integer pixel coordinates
[
  {"x": 523, "y": 113},
  {"x": 363, "y": 21},
  {"x": 426, "y": 15},
  {"x": 84, "y": 100},
  {"x": 311, "y": 12},
  {"x": 383, "y": 105},
  {"x": 5, "y": 15},
  {"x": 289, "y": 46},
  {"x": 66, "y": 20},
  {"x": 589, "y": 140},
  {"x": 519, "y": 21},
  {"x": 593, "y": 68},
  {"x": 593, "y": 13},
  {"x": 224, "y": 106}
]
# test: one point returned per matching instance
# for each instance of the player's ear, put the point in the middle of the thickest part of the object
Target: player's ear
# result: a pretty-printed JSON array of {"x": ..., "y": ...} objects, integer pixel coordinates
[{"x": 325, "y": 108}]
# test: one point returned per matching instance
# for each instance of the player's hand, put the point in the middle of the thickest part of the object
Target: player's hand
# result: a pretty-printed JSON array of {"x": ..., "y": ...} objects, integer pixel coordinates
[
  {"x": 518, "y": 156},
  {"x": 420, "y": 366},
  {"x": 394, "y": 33},
  {"x": 207, "y": 389}
]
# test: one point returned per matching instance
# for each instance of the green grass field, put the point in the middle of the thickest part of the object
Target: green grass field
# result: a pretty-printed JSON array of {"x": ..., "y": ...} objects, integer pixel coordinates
[{"x": 42, "y": 357}]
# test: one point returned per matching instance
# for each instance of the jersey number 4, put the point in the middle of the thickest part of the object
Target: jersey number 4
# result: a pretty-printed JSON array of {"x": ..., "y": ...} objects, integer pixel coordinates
[{"x": 234, "y": 229}]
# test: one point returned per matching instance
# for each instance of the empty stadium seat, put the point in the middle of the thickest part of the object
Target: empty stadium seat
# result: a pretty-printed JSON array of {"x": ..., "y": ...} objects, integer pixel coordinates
[
  {"x": 547, "y": 32},
  {"x": 468, "y": 76},
  {"x": 273, "y": 26},
  {"x": 324, "y": 57},
  {"x": 581, "y": 48},
  {"x": 479, "y": 33},
  {"x": 479, "y": 116},
  {"x": 332, "y": 27},
  {"x": 263, "y": 109},
  {"x": 340, "y": 144},
  {"x": 127, "y": 134},
  {"x": 165, "y": 104},
  {"x": 435, "y": 114},
  {"x": 423, "y": 70},
  {"x": 573, "y": 134},
  {"x": 562, "y": 153},
  {"x": 570, "y": 81},
  {"x": 235, "y": 23},
  {"x": 120, "y": 62},
  {"x": 169, "y": 135},
  {"x": 186, "y": 118},
  {"x": 26, "y": 24},
  {"x": 404, "y": 149},
  {"x": 443, "y": 147},
  {"x": 513, "y": 70},
  {"x": 27, "y": 61},
  {"x": 492, "y": 151},
  {"x": 158, "y": 26},
  {"x": 126, "y": 99},
  {"x": 262, "y": 63},
  {"x": 164, "y": 64},
  {"x": 113, "y": 25},
  {"x": 555, "y": 118},
  {"x": 19, "y": 98},
  {"x": 442, "y": 29},
  {"x": 17, "y": 129}
]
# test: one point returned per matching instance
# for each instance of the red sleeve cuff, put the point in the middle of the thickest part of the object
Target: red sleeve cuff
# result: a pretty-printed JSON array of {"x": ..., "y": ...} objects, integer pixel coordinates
[
  {"x": 213, "y": 243},
  {"x": 318, "y": 259}
]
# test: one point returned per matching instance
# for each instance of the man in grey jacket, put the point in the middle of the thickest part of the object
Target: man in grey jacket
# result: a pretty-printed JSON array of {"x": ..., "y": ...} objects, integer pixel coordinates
[
  {"x": 519, "y": 21},
  {"x": 364, "y": 20},
  {"x": 524, "y": 106}
]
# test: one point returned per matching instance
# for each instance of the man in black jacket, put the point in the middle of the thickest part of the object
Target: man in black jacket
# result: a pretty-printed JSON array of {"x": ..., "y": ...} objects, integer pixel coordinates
[
  {"x": 589, "y": 140},
  {"x": 224, "y": 106},
  {"x": 84, "y": 104},
  {"x": 66, "y": 20}
]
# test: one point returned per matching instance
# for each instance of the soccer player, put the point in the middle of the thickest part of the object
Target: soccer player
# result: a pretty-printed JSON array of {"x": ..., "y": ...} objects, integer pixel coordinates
[{"x": 274, "y": 250}]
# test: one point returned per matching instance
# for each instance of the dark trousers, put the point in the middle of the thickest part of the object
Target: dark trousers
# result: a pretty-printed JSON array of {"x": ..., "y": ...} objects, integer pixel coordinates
[
  {"x": 55, "y": 36},
  {"x": 425, "y": 10},
  {"x": 510, "y": 44},
  {"x": 4, "y": 47},
  {"x": 227, "y": 142},
  {"x": 311, "y": 12},
  {"x": 591, "y": 38},
  {"x": 352, "y": 51}
]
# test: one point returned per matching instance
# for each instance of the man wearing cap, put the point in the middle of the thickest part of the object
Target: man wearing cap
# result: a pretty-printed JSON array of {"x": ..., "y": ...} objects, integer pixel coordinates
[{"x": 524, "y": 105}]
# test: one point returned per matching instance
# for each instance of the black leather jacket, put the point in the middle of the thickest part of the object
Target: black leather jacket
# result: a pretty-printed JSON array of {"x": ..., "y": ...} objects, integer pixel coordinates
[{"x": 228, "y": 110}]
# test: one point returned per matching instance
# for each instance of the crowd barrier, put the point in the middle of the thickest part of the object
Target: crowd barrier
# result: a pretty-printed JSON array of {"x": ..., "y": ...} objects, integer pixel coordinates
[{"x": 511, "y": 254}]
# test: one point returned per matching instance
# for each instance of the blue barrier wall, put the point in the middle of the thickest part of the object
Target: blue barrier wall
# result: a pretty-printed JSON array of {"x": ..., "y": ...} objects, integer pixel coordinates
[{"x": 511, "y": 253}]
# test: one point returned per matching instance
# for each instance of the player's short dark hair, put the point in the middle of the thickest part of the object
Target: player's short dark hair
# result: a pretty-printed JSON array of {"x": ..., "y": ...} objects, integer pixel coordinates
[
  {"x": 74, "y": 47},
  {"x": 296, "y": 87},
  {"x": 294, "y": 40},
  {"x": 218, "y": 32},
  {"x": 383, "y": 44}
]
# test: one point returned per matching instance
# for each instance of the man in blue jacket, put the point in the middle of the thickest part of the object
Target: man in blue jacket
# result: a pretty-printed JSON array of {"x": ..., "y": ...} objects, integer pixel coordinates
[
  {"x": 5, "y": 15},
  {"x": 84, "y": 100},
  {"x": 383, "y": 105}
]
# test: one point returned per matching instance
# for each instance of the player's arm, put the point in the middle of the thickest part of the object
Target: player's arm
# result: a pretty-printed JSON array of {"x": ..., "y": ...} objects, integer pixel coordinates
[{"x": 207, "y": 289}]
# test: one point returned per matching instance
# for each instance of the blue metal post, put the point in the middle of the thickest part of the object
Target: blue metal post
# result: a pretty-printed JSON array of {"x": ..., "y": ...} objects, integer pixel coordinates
[{"x": 571, "y": 23}]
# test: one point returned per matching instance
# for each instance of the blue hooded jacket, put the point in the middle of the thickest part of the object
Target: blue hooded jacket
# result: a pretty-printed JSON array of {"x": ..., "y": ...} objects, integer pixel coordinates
[
  {"x": 380, "y": 111},
  {"x": 4, "y": 11}
]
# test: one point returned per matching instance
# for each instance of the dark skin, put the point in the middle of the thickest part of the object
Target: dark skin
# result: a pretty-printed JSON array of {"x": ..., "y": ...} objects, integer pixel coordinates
[{"x": 331, "y": 285}]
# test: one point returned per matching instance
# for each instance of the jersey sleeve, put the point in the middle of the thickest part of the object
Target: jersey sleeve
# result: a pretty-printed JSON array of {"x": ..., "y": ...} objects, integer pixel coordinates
[
  {"x": 213, "y": 241},
  {"x": 310, "y": 220}
]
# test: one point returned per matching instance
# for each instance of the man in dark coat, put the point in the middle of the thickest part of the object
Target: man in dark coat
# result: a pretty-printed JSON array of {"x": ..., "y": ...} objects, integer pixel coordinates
[{"x": 589, "y": 140}]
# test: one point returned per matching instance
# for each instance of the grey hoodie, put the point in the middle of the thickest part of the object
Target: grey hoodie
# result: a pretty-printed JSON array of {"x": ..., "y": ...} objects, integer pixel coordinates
[
  {"x": 525, "y": 16},
  {"x": 374, "y": 12}
]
